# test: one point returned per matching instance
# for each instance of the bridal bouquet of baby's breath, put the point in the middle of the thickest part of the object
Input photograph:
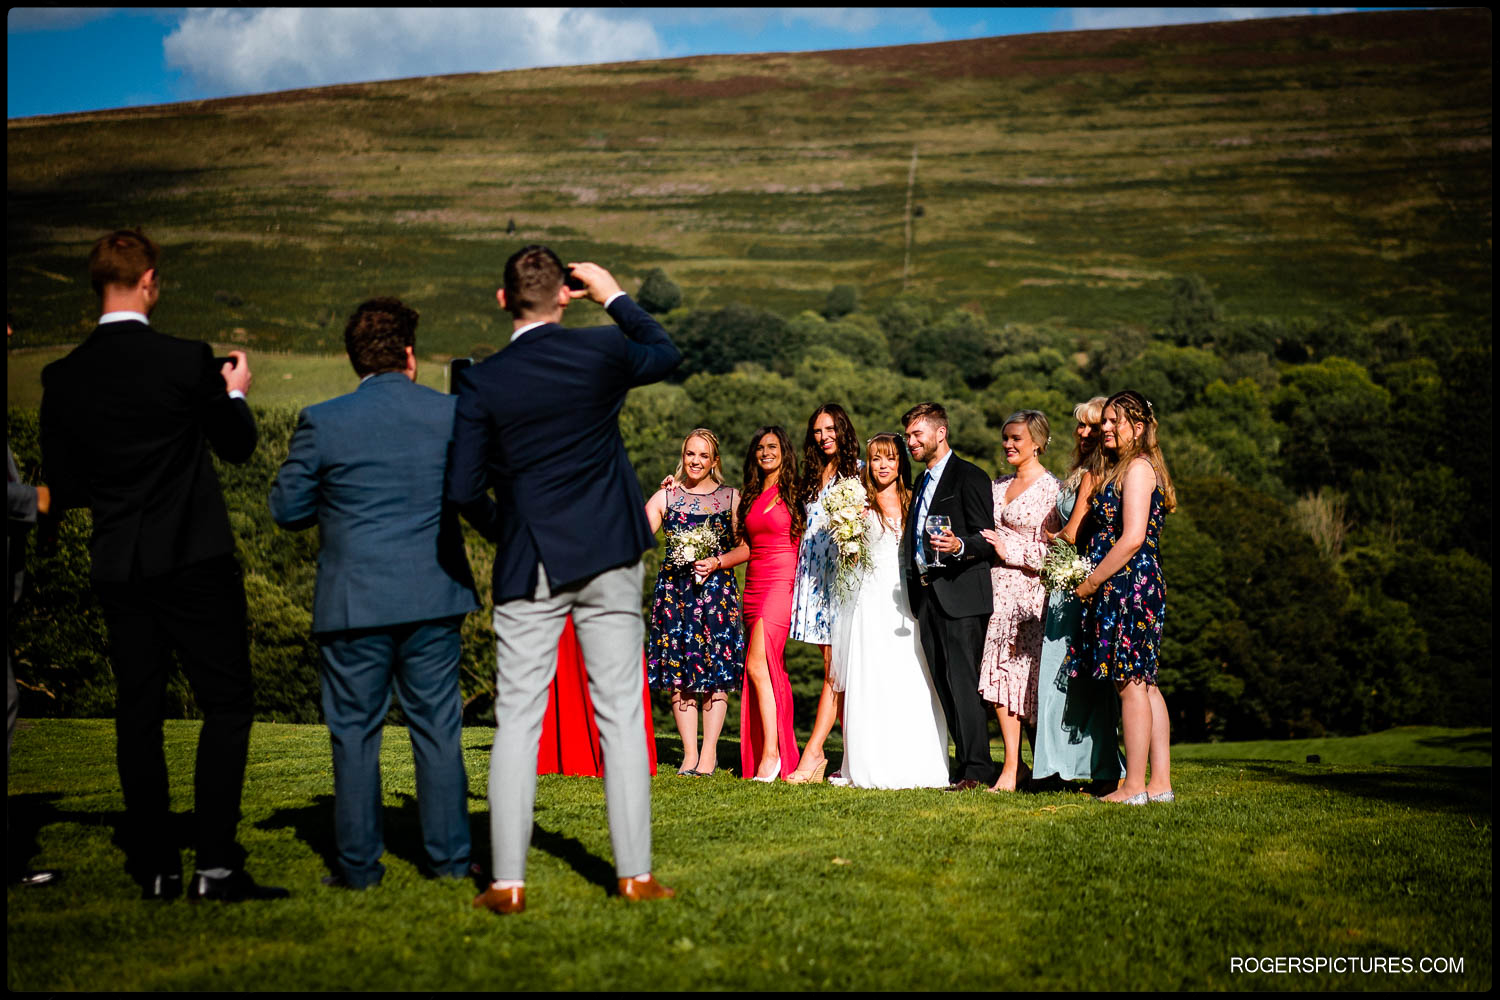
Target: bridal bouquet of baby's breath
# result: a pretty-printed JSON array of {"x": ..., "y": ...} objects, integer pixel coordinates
[
  {"x": 844, "y": 503},
  {"x": 687, "y": 545},
  {"x": 1064, "y": 569}
]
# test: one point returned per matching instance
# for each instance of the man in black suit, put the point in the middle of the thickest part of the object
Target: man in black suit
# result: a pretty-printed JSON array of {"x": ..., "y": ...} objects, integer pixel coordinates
[
  {"x": 127, "y": 422},
  {"x": 948, "y": 578},
  {"x": 539, "y": 424}
]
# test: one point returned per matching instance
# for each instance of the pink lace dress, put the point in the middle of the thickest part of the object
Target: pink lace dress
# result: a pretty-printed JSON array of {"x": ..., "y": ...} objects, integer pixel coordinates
[{"x": 1013, "y": 644}]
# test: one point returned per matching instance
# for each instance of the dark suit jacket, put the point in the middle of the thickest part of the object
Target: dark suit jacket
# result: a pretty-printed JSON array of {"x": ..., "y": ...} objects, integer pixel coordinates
[
  {"x": 127, "y": 422},
  {"x": 367, "y": 468},
  {"x": 539, "y": 424},
  {"x": 961, "y": 585}
]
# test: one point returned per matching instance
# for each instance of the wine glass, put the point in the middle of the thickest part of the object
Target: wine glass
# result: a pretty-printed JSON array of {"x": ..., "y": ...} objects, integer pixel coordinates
[{"x": 937, "y": 524}]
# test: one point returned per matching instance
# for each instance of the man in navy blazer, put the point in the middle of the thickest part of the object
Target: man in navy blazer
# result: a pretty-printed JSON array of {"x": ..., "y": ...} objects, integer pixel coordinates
[
  {"x": 538, "y": 423},
  {"x": 393, "y": 588}
]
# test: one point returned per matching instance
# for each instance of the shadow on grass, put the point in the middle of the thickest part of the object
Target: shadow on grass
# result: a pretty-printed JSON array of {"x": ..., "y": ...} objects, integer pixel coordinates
[
  {"x": 1477, "y": 743},
  {"x": 27, "y": 814},
  {"x": 1439, "y": 789}
]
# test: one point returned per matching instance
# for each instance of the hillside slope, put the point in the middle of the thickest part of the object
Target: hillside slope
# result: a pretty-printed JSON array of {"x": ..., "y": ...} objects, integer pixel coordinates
[{"x": 1300, "y": 165}]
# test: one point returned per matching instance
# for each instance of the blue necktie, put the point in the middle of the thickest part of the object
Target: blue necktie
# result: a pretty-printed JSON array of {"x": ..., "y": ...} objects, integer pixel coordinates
[{"x": 921, "y": 520}]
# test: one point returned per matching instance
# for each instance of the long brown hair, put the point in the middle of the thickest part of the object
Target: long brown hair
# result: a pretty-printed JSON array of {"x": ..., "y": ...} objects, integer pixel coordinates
[
  {"x": 1131, "y": 406},
  {"x": 846, "y": 459},
  {"x": 889, "y": 445},
  {"x": 755, "y": 481}
]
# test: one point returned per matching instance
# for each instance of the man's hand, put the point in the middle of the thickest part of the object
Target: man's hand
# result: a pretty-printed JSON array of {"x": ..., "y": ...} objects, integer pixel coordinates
[
  {"x": 43, "y": 500},
  {"x": 599, "y": 284},
  {"x": 237, "y": 375}
]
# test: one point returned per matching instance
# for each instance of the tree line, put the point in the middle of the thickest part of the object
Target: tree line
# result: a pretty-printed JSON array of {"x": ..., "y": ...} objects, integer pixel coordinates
[{"x": 1329, "y": 569}]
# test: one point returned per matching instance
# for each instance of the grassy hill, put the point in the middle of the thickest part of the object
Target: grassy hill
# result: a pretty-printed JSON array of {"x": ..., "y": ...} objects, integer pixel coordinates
[{"x": 1300, "y": 165}]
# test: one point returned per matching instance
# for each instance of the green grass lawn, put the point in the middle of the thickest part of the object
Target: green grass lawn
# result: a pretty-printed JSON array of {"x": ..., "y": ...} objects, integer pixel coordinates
[{"x": 784, "y": 887}]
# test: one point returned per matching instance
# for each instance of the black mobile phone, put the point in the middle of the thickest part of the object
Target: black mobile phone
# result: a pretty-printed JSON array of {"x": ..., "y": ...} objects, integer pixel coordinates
[
  {"x": 574, "y": 283},
  {"x": 454, "y": 367},
  {"x": 221, "y": 362}
]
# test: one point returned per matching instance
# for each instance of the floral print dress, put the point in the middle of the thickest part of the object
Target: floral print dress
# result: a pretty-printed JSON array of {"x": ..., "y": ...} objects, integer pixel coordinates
[
  {"x": 696, "y": 642},
  {"x": 817, "y": 565},
  {"x": 1119, "y": 636},
  {"x": 1013, "y": 642}
]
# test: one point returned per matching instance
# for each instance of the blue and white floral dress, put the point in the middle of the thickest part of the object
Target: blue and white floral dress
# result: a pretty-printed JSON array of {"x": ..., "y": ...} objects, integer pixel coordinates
[{"x": 817, "y": 564}]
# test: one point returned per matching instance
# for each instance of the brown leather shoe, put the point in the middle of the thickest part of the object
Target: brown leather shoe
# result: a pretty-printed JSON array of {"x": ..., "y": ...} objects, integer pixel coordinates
[
  {"x": 650, "y": 889},
  {"x": 962, "y": 786},
  {"x": 502, "y": 900}
]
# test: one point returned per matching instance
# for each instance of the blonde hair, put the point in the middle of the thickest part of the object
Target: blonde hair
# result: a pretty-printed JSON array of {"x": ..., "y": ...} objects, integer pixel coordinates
[
  {"x": 1132, "y": 407},
  {"x": 715, "y": 467},
  {"x": 1036, "y": 424},
  {"x": 1088, "y": 455}
]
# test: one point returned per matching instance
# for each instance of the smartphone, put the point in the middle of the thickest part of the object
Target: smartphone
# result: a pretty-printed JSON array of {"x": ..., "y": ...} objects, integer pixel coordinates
[
  {"x": 574, "y": 284},
  {"x": 221, "y": 362},
  {"x": 454, "y": 367}
]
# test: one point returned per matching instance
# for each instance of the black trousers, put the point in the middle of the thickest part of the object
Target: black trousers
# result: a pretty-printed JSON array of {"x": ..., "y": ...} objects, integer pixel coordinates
[
  {"x": 199, "y": 611},
  {"x": 953, "y": 647}
]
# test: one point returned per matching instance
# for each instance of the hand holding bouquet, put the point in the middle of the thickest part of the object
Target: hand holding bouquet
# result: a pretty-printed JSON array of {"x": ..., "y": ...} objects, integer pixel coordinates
[
  {"x": 1064, "y": 569},
  {"x": 688, "y": 545}
]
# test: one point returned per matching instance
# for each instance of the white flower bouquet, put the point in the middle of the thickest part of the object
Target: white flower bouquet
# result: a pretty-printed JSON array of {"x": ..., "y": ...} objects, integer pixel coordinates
[
  {"x": 844, "y": 503},
  {"x": 688, "y": 545},
  {"x": 1064, "y": 569}
]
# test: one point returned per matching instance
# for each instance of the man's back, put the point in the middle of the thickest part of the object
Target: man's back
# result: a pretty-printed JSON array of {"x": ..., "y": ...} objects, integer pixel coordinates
[
  {"x": 540, "y": 422},
  {"x": 368, "y": 468},
  {"x": 127, "y": 420}
]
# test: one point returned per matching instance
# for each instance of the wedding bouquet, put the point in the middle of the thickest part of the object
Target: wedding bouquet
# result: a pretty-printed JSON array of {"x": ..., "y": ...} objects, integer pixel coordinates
[
  {"x": 844, "y": 504},
  {"x": 1064, "y": 569},
  {"x": 687, "y": 545}
]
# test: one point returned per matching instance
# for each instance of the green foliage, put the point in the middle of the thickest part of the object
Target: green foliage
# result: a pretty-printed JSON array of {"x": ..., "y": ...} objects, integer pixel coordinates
[
  {"x": 1336, "y": 421},
  {"x": 658, "y": 293},
  {"x": 715, "y": 341},
  {"x": 1195, "y": 318},
  {"x": 842, "y": 300}
]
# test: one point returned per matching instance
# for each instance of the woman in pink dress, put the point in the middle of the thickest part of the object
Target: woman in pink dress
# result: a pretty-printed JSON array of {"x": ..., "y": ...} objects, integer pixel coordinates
[
  {"x": 769, "y": 529},
  {"x": 1025, "y": 511}
]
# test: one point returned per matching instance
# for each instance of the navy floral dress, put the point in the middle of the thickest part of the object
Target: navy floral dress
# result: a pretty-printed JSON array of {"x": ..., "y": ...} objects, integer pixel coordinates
[
  {"x": 1119, "y": 636},
  {"x": 696, "y": 643}
]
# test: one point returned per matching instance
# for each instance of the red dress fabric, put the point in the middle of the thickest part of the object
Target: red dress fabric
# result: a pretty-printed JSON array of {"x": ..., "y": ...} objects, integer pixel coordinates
[
  {"x": 570, "y": 739},
  {"x": 769, "y": 579}
]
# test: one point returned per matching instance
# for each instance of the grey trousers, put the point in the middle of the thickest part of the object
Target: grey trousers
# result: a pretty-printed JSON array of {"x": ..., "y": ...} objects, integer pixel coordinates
[{"x": 606, "y": 613}]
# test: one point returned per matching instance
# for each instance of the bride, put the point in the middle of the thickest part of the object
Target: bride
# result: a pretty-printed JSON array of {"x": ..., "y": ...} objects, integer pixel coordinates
[{"x": 895, "y": 735}]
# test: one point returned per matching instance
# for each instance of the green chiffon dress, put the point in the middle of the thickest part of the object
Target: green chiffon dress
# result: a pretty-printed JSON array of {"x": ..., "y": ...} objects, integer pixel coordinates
[{"x": 1077, "y": 718}]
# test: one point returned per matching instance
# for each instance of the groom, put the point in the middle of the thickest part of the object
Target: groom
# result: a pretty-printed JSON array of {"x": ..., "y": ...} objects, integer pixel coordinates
[
  {"x": 539, "y": 424},
  {"x": 948, "y": 578}
]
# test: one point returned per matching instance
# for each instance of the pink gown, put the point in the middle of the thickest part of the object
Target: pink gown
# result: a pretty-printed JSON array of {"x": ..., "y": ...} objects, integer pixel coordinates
[{"x": 769, "y": 579}]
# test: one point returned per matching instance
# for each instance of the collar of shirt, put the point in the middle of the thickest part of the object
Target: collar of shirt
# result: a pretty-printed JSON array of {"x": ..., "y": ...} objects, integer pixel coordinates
[
  {"x": 123, "y": 316},
  {"x": 532, "y": 326},
  {"x": 935, "y": 471}
]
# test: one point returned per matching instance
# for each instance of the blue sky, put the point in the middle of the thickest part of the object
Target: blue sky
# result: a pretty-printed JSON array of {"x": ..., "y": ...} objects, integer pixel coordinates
[{"x": 61, "y": 59}]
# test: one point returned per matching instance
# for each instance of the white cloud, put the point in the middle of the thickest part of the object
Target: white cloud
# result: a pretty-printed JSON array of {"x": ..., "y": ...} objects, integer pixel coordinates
[
  {"x": 249, "y": 50},
  {"x": 1088, "y": 18}
]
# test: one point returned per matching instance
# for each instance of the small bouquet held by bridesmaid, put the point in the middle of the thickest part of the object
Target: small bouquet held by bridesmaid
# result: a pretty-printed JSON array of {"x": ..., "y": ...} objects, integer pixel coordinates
[
  {"x": 845, "y": 503},
  {"x": 1064, "y": 569},
  {"x": 688, "y": 545}
]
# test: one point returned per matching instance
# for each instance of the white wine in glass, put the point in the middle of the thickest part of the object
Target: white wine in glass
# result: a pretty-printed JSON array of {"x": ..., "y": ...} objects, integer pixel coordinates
[{"x": 937, "y": 524}]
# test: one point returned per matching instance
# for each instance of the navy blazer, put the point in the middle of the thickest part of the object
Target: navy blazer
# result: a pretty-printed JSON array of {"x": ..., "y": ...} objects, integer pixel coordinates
[
  {"x": 961, "y": 585},
  {"x": 128, "y": 419},
  {"x": 538, "y": 423},
  {"x": 367, "y": 468}
]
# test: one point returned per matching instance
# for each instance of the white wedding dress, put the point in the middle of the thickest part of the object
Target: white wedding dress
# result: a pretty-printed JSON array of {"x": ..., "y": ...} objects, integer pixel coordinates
[{"x": 895, "y": 735}]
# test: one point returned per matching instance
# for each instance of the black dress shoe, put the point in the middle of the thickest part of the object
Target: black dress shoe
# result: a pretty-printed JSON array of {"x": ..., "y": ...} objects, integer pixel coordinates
[
  {"x": 236, "y": 887},
  {"x": 41, "y": 876},
  {"x": 163, "y": 886},
  {"x": 339, "y": 882}
]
